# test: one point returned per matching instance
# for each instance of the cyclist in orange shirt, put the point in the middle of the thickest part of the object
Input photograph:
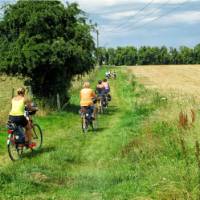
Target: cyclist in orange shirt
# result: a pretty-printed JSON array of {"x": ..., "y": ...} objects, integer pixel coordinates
[{"x": 86, "y": 98}]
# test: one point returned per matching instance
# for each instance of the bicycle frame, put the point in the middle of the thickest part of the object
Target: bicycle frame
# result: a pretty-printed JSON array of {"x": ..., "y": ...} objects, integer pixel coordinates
[{"x": 86, "y": 118}]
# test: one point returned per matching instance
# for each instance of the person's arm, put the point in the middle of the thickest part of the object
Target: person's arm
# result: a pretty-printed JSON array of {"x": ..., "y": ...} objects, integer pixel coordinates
[
  {"x": 28, "y": 103},
  {"x": 93, "y": 94}
]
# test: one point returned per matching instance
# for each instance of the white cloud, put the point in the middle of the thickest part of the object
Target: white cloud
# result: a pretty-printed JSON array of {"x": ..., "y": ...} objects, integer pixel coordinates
[
  {"x": 119, "y": 15},
  {"x": 190, "y": 17},
  {"x": 95, "y": 5},
  {"x": 131, "y": 13},
  {"x": 186, "y": 17}
]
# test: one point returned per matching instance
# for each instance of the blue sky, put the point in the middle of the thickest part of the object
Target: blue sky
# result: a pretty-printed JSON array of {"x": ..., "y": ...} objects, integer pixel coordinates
[
  {"x": 144, "y": 22},
  {"x": 139, "y": 22}
]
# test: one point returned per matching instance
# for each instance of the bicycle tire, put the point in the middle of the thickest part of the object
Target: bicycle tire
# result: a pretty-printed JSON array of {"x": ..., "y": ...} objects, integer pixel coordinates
[
  {"x": 37, "y": 136},
  {"x": 14, "y": 152},
  {"x": 84, "y": 124},
  {"x": 101, "y": 107},
  {"x": 94, "y": 124}
]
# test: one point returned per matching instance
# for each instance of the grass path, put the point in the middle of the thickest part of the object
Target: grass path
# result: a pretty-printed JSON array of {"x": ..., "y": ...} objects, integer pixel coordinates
[{"x": 75, "y": 163}]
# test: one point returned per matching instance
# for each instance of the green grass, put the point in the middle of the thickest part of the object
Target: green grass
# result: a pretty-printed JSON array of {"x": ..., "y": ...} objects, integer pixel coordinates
[{"x": 133, "y": 155}]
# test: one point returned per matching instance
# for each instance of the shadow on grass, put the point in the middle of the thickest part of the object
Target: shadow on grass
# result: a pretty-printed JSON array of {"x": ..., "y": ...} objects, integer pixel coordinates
[
  {"x": 91, "y": 131},
  {"x": 100, "y": 129},
  {"x": 72, "y": 108},
  {"x": 38, "y": 152},
  {"x": 75, "y": 109},
  {"x": 111, "y": 110}
]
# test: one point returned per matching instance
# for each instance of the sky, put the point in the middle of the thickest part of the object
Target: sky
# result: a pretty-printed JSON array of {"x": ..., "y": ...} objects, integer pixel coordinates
[
  {"x": 172, "y": 23},
  {"x": 145, "y": 22}
]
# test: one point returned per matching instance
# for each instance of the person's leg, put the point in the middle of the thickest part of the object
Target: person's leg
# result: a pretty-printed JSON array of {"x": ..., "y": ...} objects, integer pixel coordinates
[{"x": 91, "y": 111}]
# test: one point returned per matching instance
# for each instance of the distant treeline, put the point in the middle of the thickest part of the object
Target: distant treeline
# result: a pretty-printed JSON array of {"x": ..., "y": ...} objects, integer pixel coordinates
[{"x": 146, "y": 55}]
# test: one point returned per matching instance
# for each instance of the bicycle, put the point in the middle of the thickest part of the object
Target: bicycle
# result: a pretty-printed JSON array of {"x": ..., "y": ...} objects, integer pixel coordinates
[
  {"x": 87, "y": 119},
  {"x": 102, "y": 103},
  {"x": 16, "y": 138}
]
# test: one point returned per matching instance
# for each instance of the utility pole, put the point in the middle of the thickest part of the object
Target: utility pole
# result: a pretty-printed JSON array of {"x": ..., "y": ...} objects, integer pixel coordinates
[
  {"x": 97, "y": 44},
  {"x": 97, "y": 38},
  {"x": 98, "y": 64}
]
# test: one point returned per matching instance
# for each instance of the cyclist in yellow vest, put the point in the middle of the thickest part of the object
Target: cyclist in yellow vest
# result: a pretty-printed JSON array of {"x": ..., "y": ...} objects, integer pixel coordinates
[
  {"x": 16, "y": 114},
  {"x": 86, "y": 97}
]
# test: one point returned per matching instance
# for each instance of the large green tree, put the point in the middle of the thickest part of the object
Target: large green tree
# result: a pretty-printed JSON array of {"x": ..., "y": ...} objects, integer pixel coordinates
[{"x": 46, "y": 41}]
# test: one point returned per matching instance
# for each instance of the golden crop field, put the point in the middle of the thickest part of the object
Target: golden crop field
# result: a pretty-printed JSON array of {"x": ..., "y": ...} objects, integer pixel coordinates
[{"x": 181, "y": 79}]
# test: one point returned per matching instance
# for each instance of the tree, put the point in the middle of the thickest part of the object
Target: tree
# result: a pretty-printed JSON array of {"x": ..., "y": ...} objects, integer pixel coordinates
[
  {"x": 174, "y": 56},
  {"x": 111, "y": 55},
  {"x": 164, "y": 57},
  {"x": 186, "y": 55},
  {"x": 130, "y": 55},
  {"x": 47, "y": 42},
  {"x": 197, "y": 54}
]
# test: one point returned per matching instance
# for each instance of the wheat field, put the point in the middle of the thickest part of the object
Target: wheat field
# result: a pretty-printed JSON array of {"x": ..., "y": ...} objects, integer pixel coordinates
[{"x": 182, "y": 79}]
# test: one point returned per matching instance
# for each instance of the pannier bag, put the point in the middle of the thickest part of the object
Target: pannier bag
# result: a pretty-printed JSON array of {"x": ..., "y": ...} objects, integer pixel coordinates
[{"x": 109, "y": 97}]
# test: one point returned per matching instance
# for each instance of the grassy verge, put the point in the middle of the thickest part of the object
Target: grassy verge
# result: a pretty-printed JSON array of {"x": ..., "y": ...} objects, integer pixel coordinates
[{"x": 135, "y": 154}]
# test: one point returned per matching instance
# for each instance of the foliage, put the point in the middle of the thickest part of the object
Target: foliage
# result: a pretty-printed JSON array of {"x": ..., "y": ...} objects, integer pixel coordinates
[
  {"x": 146, "y": 55},
  {"x": 47, "y": 42}
]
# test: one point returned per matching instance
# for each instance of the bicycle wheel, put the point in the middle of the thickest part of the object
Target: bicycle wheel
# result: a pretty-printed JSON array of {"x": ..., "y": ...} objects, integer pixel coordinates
[
  {"x": 101, "y": 107},
  {"x": 14, "y": 150},
  {"x": 94, "y": 124},
  {"x": 84, "y": 124},
  {"x": 37, "y": 136},
  {"x": 98, "y": 106}
]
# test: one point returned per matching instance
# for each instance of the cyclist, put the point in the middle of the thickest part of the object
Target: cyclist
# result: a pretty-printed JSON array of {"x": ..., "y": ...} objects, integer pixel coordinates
[
  {"x": 106, "y": 86},
  {"x": 107, "y": 91},
  {"x": 86, "y": 98},
  {"x": 100, "y": 89},
  {"x": 101, "y": 93},
  {"x": 114, "y": 75},
  {"x": 108, "y": 74},
  {"x": 16, "y": 114}
]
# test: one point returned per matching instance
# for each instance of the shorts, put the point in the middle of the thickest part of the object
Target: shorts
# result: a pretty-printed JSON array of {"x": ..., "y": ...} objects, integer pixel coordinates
[
  {"x": 107, "y": 91},
  {"x": 90, "y": 109},
  {"x": 19, "y": 120}
]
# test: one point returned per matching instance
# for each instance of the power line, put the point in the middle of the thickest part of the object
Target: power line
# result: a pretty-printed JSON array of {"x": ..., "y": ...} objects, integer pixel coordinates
[
  {"x": 152, "y": 12},
  {"x": 128, "y": 19},
  {"x": 163, "y": 15}
]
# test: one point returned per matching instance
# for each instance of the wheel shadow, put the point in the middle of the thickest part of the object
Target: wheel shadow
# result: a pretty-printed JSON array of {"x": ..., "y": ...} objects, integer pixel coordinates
[
  {"x": 111, "y": 110},
  {"x": 38, "y": 152},
  {"x": 100, "y": 129},
  {"x": 97, "y": 130}
]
